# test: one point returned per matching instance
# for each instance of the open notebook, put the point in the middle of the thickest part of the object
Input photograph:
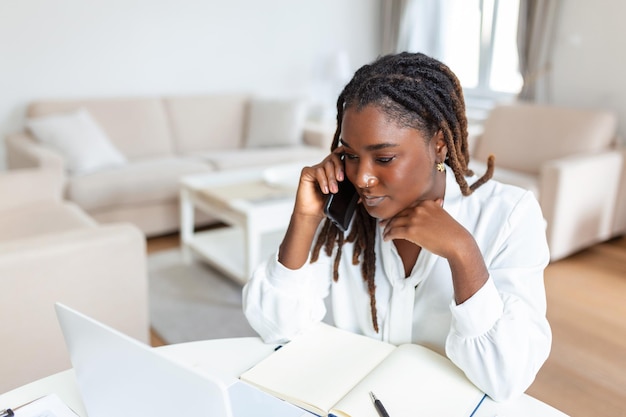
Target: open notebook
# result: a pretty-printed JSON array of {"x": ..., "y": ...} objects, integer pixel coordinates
[
  {"x": 120, "y": 376},
  {"x": 329, "y": 371}
]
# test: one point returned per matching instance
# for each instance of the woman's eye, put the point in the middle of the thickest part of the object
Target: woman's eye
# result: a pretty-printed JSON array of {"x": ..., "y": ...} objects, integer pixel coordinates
[
  {"x": 385, "y": 160},
  {"x": 350, "y": 156}
]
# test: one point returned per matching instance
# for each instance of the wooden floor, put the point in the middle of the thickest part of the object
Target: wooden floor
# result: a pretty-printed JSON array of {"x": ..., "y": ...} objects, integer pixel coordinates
[{"x": 585, "y": 374}]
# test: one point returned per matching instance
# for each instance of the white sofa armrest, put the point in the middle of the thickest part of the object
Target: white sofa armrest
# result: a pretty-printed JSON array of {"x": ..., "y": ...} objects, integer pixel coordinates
[
  {"x": 474, "y": 134},
  {"x": 23, "y": 151},
  {"x": 100, "y": 271},
  {"x": 578, "y": 197},
  {"x": 28, "y": 186},
  {"x": 619, "y": 222}
]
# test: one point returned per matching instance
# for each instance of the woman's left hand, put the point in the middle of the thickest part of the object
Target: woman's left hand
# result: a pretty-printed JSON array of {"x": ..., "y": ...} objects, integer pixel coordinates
[{"x": 429, "y": 226}]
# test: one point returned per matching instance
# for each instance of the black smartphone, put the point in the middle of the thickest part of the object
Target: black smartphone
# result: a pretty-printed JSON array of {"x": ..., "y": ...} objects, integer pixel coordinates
[{"x": 339, "y": 207}]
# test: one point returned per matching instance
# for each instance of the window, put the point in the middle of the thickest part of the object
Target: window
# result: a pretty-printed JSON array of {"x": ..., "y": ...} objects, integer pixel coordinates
[{"x": 477, "y": 39}]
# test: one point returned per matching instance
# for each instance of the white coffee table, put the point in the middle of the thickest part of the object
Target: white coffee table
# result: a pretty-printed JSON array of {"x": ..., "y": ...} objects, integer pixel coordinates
[{"x": 256, "y": 206}]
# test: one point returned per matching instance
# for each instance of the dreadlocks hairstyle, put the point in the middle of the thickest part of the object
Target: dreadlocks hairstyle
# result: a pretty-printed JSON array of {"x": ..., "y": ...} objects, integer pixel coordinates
[{"x": 414, "y": 91}]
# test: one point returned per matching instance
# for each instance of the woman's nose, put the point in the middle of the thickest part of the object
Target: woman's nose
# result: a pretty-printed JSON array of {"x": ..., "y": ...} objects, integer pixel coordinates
[{"x": 366, "y": 180}]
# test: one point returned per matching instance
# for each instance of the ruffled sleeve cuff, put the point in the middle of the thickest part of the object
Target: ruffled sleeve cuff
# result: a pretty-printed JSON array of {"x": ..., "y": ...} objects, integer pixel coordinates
[
  {"x": 479, "y": 313},
  {"x": 283, "y": 278}
]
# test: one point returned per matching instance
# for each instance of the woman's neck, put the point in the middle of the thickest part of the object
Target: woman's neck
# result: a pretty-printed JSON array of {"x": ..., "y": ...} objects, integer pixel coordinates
[{"x": 409, "y": 253}]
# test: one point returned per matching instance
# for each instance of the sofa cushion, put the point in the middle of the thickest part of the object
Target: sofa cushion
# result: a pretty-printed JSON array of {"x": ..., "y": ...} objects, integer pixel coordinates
[
  {"x": 207, "y": 122},
  {"x": 143, "y": 181},
  {"x": 137, "y": 127},
  {"x": 42, "y": 219},
  {"x": 77, "y": 136},
  {"x": 275, "y": 122},
  {"x": 523, "y": 136},
  {"x": 250, "y": 157}
]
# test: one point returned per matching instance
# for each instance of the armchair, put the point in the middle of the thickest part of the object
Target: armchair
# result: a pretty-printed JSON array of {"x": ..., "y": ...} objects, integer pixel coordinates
[
  {"x": 568, "y": 158},
  {"x": 50, "y": 250}
]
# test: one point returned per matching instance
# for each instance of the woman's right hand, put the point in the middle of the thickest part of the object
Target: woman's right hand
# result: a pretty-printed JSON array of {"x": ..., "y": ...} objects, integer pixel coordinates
[{"x": 316, "y": 182}]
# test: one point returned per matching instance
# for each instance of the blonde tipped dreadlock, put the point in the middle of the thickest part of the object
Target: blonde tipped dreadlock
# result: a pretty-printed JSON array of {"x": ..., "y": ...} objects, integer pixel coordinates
[{"x": 414, "y": 91}]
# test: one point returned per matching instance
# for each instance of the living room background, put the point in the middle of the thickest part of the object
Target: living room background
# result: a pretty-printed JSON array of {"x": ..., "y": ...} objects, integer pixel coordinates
[
  {"x": 102, "y": 48},
  {"x": 121, "y": 48}
]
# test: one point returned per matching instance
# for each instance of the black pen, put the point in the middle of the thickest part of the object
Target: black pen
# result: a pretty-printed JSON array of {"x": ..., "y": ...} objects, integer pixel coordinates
[
  {"x": 6, "y": 413},
  {"x": 379, "y": 406}
]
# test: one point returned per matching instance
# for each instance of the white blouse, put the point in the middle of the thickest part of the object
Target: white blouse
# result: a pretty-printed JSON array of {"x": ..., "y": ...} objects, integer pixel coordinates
[{"x": 499, "y": 337}]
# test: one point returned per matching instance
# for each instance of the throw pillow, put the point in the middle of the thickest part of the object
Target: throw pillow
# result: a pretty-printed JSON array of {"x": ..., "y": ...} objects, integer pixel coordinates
[
  {"x": 76, "y": 135},
  {"x": 275, "y": 122}
]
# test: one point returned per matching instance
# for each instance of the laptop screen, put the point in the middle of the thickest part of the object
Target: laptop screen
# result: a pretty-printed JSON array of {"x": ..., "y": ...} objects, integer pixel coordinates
[{"x": 118, "y": 375}]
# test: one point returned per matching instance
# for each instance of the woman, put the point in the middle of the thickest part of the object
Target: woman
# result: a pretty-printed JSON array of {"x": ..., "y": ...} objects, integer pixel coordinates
[{"x": 433, "y": 255}]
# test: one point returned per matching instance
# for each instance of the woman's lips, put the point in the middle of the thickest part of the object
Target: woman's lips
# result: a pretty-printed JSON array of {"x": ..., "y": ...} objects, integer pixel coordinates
[{"x": 372, "y": 201}]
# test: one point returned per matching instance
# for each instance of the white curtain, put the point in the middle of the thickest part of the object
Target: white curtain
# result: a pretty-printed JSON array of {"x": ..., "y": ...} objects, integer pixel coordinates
[
  {"x": 535, "y": 33},
  {"x": 416, "y": 26},
  {"x": 392, "y": 15}
]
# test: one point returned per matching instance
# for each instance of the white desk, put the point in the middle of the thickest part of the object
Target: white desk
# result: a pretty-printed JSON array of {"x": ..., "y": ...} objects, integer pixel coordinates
[{"x": 233, "y": 356}]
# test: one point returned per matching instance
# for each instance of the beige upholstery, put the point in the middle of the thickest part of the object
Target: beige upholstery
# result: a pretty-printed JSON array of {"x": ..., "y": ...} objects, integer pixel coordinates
[
  {"x": 137, "y": 127},
  {"x": 568, "y": 158},
  {"x": 162, "y": 138},
  {"x": 157, "y": 178},
  {"x": 619, "y": 220},
  {"x": 194, "y": 119},
  {"x": 50, "y": 251}
]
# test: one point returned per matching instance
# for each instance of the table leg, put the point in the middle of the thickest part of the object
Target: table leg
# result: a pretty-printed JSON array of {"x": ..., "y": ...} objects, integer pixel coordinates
[{"x": 186, "y": 224}]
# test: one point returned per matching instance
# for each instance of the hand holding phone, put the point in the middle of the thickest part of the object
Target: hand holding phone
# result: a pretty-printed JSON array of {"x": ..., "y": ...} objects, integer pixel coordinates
[{"x": 339, "y": 207}]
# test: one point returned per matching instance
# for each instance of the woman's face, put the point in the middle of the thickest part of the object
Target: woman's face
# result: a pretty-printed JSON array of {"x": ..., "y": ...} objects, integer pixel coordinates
[{"x": 392, "y": 167}]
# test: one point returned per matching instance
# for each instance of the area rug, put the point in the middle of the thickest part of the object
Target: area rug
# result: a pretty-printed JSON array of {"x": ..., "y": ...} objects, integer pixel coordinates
[{"x": 193, "y": 302}]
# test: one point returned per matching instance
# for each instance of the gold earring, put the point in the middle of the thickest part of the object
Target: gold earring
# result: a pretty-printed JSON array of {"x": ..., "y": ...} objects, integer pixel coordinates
[{"x": 441, "y": 167}]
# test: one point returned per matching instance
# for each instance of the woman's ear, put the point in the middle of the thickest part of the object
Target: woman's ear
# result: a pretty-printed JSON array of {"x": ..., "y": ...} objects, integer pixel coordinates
[{"x": 441, "y": 149}]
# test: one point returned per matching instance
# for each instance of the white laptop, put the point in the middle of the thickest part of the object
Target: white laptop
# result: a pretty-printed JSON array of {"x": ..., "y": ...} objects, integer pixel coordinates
[{"x": 120, "y": 376}]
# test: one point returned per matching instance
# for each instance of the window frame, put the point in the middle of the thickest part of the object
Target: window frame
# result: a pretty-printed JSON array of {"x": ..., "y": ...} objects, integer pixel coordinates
[{"x": 480, "y": 99}]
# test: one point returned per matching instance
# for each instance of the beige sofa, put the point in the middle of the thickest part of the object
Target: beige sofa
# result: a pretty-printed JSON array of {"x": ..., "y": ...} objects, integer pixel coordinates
[
  {"x": 50, "y": 251},
  {"x": 122, "y": 158},
  {"x": 570, "y": 159}
]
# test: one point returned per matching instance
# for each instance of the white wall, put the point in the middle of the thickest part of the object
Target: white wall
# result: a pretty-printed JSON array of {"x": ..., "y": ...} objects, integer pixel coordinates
[
  {"x": 99, "y": 48},
  {"x": 589, "y": 66}
]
